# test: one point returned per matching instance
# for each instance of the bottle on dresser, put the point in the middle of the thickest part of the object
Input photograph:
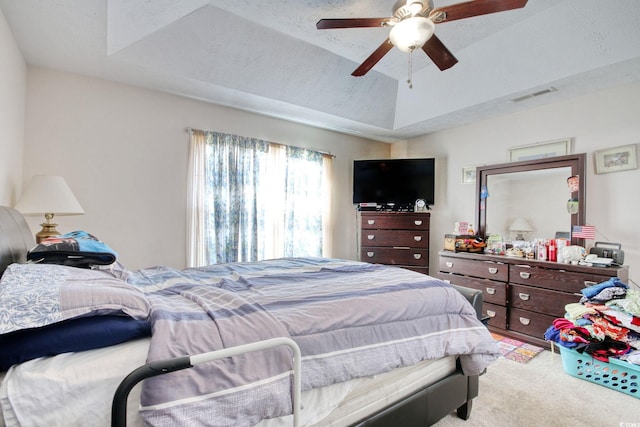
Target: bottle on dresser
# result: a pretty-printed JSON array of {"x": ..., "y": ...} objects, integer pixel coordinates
[
  {"x": 553, "y": 250},
  {"x": 542, "y": 250}
]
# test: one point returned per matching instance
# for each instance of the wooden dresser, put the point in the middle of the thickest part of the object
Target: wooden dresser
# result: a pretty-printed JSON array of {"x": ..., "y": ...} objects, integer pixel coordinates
[
  {"x": 396, "y": 238},
  {"x": 522, "y": 297}
]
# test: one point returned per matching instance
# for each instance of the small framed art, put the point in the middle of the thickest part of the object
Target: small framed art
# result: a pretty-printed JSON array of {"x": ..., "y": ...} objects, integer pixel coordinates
[
  {"x": 468, "y": 174},
  {"x": 616, "y": 159},
  {"x": 541, "y": 150}
]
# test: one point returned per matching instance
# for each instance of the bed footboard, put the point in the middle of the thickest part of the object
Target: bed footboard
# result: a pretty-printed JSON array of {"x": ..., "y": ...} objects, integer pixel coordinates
[{"x": 431, "y": 404}]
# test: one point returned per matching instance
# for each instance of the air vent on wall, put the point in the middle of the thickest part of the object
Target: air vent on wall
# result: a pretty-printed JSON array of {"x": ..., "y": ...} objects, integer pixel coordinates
[{"x": 534, "y": 94}]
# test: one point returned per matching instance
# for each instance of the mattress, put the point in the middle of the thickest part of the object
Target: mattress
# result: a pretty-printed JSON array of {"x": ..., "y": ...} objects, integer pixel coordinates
[{"x": 94, "y": 375}]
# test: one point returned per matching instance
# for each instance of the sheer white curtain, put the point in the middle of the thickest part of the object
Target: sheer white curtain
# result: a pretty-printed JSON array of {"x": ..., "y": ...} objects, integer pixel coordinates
[
  {"x": 243, "y": 206},
  {"x": 326, "y": 206},
  {"x": 196, "y": 196}
]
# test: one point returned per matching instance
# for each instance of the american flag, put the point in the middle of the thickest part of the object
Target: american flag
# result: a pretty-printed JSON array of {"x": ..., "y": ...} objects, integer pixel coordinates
[{"x": 584, "y": 232}]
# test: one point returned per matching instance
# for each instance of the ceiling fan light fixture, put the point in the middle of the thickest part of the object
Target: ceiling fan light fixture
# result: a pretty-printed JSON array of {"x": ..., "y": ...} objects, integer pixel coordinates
[{"x": 411, "y": 33}]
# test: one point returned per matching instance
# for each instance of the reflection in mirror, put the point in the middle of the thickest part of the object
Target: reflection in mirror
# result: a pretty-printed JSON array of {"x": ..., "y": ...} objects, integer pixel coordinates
[
  {"x": 534, "y": 191},
  {"x": 539, "y": 197}
]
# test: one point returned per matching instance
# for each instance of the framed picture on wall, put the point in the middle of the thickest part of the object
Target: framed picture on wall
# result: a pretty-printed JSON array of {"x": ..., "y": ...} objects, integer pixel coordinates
[
  {"x": 616, "y": 159},
  {"x": 468, "y": 174},
  {"x": 541, "y": 150}
]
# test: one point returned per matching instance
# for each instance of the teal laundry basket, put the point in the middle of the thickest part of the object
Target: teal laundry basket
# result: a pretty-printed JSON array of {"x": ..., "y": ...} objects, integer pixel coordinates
[{"x": 615, "y": 374}]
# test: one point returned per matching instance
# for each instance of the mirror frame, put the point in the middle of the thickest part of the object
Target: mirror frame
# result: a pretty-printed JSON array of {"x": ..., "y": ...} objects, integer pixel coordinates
[{"x": 577, "y": 163}]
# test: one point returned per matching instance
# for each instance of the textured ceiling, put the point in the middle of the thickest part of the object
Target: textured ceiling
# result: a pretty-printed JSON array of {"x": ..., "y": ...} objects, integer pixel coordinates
[{"x": 267, "y": 56}]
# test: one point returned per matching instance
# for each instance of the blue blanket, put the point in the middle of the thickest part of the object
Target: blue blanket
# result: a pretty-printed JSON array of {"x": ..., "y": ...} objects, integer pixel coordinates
[{"x": 76, "y": 249}]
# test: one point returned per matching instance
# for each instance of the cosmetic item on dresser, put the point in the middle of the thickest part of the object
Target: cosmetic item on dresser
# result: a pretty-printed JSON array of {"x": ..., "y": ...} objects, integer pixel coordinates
[{"x": 553, "y": 251}]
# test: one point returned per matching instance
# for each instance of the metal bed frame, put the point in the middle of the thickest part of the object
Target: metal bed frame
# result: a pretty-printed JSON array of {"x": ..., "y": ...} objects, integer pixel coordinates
[{"x": 161, "y": 367}]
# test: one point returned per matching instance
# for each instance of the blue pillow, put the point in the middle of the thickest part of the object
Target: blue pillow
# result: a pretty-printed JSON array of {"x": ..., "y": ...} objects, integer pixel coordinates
[{"x": 84, "y": 333}]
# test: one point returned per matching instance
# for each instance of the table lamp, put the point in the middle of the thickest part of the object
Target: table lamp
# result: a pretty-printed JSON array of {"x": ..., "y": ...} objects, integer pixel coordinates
[
  {"x": 520, "y": 226},
  {"x": 48, "y": 195}
]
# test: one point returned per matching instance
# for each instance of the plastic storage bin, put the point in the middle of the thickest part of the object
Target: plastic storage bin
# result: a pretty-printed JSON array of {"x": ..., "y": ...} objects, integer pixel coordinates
[{"x": 616, "y": 374}]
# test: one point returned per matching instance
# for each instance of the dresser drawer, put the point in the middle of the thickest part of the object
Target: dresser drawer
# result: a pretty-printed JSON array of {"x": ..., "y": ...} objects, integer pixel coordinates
[
  {"x": 492, "y": 292},
  {"x": 540, "y": 300},
  {"x": 402, "y": 238},
  {"x": 483, "y": 269},
  {"x": 561, "y": 280},
  {"x": 421, "y": 270},
  {"x": 530, "y": 323},
  {"x": 395, "y": 256},
  {"x": 403, "y": 221},
  {"x": 497, "y": 315}
]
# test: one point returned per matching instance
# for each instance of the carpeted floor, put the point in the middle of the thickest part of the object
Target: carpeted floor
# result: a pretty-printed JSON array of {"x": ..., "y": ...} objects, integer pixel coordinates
[{"x": 540, "y": 393}]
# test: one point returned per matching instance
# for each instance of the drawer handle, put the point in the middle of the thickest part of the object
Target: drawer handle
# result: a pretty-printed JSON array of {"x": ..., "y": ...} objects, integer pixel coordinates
[
  {"x": 418, "y": 222},
  {"x": 449, "y": 264},
  {"x": 371, "y": 221},
  {"x": 525, "y": 275},
  {"x": 493, "y": 270},
  {"x": 370, "y": 254},
  {"x": 524, "y": 297},
  {"x": 417, "y": 256},
  {"x": 491, "y": 313},
  {"x": 525, "y": 321},
  {"x": 417, "y": 238},
  {"x": 491, "y": 291},
  {"x": 371, "y": 236}
]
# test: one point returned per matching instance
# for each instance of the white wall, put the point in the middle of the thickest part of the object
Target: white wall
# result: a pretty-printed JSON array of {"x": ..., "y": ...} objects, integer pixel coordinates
[
  {"x": 123, "y": 151},
  {"x": 597, "y": 121},
  {"x": 13, "y": 83}
]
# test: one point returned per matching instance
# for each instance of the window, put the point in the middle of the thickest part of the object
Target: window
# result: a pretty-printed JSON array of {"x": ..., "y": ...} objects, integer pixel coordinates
[{"x": 251, "y": 199}]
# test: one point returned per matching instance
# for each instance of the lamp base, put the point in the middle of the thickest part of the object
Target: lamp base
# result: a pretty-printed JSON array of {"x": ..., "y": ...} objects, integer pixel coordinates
[{"x": 48, "y": 228}]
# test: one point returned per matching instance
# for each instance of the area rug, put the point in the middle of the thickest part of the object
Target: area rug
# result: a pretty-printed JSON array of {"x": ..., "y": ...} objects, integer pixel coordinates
[{"x": 515, "y": 350}]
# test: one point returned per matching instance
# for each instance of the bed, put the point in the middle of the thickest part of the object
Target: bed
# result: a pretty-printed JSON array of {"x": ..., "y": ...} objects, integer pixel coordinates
[{"x": 380, "y": 345}]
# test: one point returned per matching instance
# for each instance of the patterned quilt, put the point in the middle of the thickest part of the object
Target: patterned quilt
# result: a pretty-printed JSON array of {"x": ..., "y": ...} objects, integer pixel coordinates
[{"x": 350, "y": 320}]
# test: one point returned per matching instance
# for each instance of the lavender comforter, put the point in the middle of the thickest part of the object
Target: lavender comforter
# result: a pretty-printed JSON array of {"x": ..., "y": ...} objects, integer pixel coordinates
[{"x": 350, "y": 320}]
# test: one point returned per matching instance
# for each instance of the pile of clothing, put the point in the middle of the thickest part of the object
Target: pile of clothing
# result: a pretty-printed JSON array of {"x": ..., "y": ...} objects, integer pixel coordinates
[{"x": 605, "y": 323}]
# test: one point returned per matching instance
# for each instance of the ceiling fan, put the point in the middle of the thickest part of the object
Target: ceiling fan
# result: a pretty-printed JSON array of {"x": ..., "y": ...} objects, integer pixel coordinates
[{"x": 413, "y": 24}]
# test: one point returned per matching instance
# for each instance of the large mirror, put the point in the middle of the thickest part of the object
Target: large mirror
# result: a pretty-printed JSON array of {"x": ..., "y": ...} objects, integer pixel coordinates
[{"x": 531, "y": 199}]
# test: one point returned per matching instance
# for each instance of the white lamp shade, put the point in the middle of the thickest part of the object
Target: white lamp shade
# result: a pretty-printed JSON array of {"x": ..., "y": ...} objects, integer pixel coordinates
[
  {"x": 48, "y": 194},
  {"x": 411, "y": 33},
  {"x": 520, "y": 224}
]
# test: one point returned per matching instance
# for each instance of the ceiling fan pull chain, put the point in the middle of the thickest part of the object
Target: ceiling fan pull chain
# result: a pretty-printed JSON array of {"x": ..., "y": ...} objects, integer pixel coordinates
[{"x": 409, "y": 82}]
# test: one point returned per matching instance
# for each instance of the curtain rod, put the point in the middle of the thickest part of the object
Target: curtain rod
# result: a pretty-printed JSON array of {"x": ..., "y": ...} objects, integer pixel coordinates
[{"x": 325, "y": 153}]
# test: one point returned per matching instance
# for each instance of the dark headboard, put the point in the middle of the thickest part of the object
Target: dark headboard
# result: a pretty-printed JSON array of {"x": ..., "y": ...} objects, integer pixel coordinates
[{"x": 15, "y": 237}]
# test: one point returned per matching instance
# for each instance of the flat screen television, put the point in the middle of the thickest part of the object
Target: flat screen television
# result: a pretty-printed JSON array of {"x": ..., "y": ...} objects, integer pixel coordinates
[{"x": 394, "y": 181}]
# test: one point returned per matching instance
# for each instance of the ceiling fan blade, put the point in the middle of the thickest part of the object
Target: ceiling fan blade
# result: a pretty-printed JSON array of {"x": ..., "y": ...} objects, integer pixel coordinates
[
  {"x": 373, "y": 59},
  {"x": 477, "y": 7},
  {"x": 328, "y": 24},
  {"x": 439, "y": 54}
]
